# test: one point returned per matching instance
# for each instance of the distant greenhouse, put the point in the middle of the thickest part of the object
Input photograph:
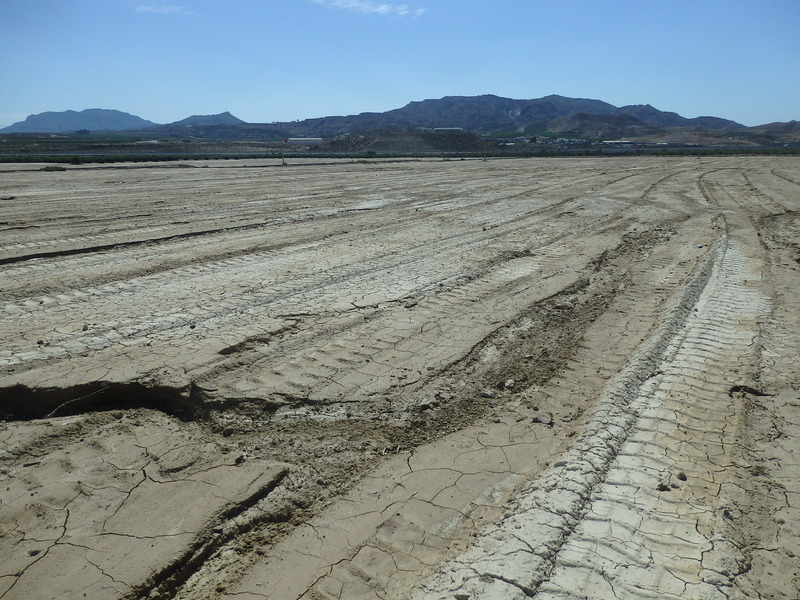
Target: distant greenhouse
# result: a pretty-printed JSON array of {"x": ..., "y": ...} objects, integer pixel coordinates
[{"x": 304, "y": 141}]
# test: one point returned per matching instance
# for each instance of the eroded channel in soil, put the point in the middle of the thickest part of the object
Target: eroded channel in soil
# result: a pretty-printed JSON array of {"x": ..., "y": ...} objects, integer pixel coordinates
[{"x": 442, "y": 379}]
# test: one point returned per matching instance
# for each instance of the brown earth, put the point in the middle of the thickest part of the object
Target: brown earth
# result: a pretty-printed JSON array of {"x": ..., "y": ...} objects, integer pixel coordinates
[{"x": 531, "y": 378}]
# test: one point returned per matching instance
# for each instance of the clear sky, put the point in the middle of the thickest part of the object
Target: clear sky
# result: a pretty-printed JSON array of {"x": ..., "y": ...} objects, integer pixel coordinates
[{"x": 281, "y": 60}]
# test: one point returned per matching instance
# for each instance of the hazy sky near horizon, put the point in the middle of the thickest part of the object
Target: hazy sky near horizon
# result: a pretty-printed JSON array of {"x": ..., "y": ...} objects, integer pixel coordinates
[{"x": 281, "y": 60}]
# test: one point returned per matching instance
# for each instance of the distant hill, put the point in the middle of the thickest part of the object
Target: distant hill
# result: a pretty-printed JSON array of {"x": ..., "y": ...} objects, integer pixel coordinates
[
  {"x": 99, "y": 119},
  {"x": 788, "y": 132},
  {"x": 659, "y": 118},
  {"x": 225, "y": 118},
  {"x": 598, "y": 126},
  {"x": 92, "y": 119}
]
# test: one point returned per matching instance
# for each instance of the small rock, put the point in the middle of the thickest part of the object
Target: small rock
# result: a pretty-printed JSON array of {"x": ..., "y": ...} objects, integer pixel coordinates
[
  {"x": 488, "y": 394},
  {"x": 509, "y": 384}
]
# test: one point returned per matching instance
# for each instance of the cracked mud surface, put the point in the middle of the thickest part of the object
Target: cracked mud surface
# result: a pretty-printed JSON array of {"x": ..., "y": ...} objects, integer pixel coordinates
[{"x": 401, "y": 379}]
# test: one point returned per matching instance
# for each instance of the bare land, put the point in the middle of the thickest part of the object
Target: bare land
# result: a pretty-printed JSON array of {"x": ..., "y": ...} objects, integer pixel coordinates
[{"x": 464, "y": 379}]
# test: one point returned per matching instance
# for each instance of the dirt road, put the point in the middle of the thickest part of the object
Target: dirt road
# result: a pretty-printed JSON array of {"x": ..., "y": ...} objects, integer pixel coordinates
[{"x": 463, "y": 379}]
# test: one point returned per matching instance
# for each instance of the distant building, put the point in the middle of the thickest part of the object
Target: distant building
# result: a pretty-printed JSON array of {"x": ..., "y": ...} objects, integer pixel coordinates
[{"x": 307, "y": 141}]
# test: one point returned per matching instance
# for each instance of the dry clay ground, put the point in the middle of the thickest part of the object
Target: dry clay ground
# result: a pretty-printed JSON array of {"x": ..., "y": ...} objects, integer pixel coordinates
[{"x": 546, "y": 378}]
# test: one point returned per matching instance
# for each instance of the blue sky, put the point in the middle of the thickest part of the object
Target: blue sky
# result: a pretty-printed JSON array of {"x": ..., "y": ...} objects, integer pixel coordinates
[{"x": 280, "y": 60}]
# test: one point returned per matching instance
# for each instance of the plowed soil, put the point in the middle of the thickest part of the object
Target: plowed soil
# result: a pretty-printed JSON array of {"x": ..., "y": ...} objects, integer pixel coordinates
[{"x": 430, "y": 379}]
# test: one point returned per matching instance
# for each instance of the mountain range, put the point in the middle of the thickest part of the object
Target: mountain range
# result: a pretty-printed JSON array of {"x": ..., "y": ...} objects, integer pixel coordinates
[
  {"x": 487, "y": 113},
  {"x": 550, "y": 115}
]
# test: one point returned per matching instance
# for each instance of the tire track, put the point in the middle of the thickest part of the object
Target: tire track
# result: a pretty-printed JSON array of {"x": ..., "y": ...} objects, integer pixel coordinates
[
  {"x": 634, "y": 509},
  {"x": 360, "y": 570},
  {"x": 785, "y": 177},
  {"x": 656, "y": 525},
  {"x": 509, "y": 216},
  {"x": 308, "y": 294},
  {"x": 400, "y": 346},
  {"x": 604, "y": 522},
  {"x": 123, "y": 224},
  {"x": 756, "y": 188},
  {"x": 199, "y": 250}
]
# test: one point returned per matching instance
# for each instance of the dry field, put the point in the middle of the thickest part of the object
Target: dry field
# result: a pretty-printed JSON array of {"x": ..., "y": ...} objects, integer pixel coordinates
[{"x": 384, "y": 380}]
